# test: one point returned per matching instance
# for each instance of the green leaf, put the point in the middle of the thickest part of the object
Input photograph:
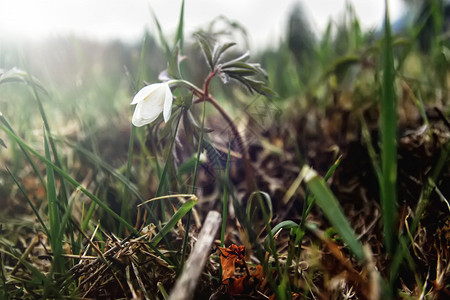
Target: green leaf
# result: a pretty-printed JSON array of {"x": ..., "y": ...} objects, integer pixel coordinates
[
  {"x": 171, "y": 55},
  {"x": 225, "y": 198},
  {"x": 241, "y": 65},
  {"x": 243, "y": 81},
  {"x": 260, "y": 87},
  {"x": 342, "y": 64},
  {"x": 18, "y": 75},
  {"x": 289, "y": 224},
  {"x": 244, "y": 57},
  {"x": 2, "y": 143},
  {"x": 242, "y": 72},
  {"x": 162, "y": 179},
  {"x": 53, "y": 213},
  {"x": 183, "y": 210},
  {"x": 108, "y": 168},
  {"x": 332, "y": 210},
  {"x": 67, "y": 177},
  {"x": 30, "y": 203},
  {"x": 206, "y": 49},
  {"x": 179, "y": 37},
  {"x": 268, "y": 202},
  {"x": 388, "y": 126},
  {"x": 219, "y": 50},
  {"x": 27, "y": 155}
]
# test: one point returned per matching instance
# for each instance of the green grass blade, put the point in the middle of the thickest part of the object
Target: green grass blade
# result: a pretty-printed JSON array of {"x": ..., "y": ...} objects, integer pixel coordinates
[
  {"x": 271, "y": 245},
  {"x": 128, "y": 185},
  {"x": 53, "y": 214},
  {"x": 162, "y": 179},
  {"x": 87, "y": 217},
  {"x": 251, "y": 236},
  {"x": 66, "y": 217},
  {"x": 19, "y": 76},
  {"x": 49, "y": 132},
  {"x": 38, "y": 216},
  {"x": 27, "y": 155},
  {"x": 423, "y": 203},
  {"x": 388, "y": 128},
  {"x": 171, "y": 56},
  {"x": 325, "y": 178},
  {"x": 194, "y": 181},
  {"x": 309, "y": 202},
  {"x": 67, "y": 177},
  {"x": 264, "y": 203},
  {"x": 251, "y": 208},
  {"x": 225, "y": 199},
  {"x": 332, "y": 210},
  {"x": 370, "y": 149},
  {"x": 179, "y": 37},
  {"x": 108, "y": 168},
  {"x": 4, "y": 293},
  {"x": 162, "y": 38},
  {"x": 183, "y": 210},
  {"x": 287, "y": 224},
  {"x": 125, "y": 207},
  {"x": 36, "y": 273}
]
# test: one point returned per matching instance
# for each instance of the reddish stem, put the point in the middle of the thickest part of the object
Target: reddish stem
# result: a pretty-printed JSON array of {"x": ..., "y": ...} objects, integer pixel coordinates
[
  {"x": 206, "y": 97},
  {"x": 206, "y": 85}
]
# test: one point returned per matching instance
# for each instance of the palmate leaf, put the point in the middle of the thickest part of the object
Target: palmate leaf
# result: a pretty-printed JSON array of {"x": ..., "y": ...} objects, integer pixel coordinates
[
  {"x": 260, "y": 87},
  {"x": 243, "y": 69},
  {"x": 243, "y": 58},
  {"x": 219, "y": 50},
  {"x": 247, "y": 74},
  {"x": 206, "y": 49},
  {"x": 257, "y": 86},
  {"x": 237, "y": 68},
  {"x": 243, "y": 72}
]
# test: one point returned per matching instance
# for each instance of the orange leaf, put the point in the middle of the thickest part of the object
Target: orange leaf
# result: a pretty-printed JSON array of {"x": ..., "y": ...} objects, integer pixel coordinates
[
  {"x": 246, "y": 284},
  {"x": 228, "y": 266},
  {"x": 236, "y": 286},
  {"x": 258, "y": 272},
  {"x": 228, "y": 258}
]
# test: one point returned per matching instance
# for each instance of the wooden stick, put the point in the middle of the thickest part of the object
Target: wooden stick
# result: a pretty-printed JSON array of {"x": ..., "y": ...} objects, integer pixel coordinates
[{"x": 186, "y": 283}]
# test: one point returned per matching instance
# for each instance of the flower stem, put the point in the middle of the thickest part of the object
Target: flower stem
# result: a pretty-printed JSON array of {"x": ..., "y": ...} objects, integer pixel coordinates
[
  {"x": 236, "y": 133},
  {"x": 206, "y": 84},
  {"x": 194, "y": 89},
  {"x": 203, "y": 95}
]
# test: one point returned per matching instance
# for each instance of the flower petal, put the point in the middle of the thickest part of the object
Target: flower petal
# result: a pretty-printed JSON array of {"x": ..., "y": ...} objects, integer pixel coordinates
[
  {"x": 145, "y": 92},
  {"x": 150, "y": 102},
  {"x": 147, "y": 111},
  {"x": 167, "y": 104}
]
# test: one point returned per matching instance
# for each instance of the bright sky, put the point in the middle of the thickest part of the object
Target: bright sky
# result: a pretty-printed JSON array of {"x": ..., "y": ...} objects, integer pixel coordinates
[{"x": 126, "y": 19}]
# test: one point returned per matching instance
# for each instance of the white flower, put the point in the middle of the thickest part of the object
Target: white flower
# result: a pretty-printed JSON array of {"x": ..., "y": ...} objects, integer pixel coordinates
[{"x": 151, "y": 101}]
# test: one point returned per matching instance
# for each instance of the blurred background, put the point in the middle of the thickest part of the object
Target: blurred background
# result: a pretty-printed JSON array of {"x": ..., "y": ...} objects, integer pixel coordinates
[
  {"x": 127, "y": 20},
  {"x": 86, "y": 54}
]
